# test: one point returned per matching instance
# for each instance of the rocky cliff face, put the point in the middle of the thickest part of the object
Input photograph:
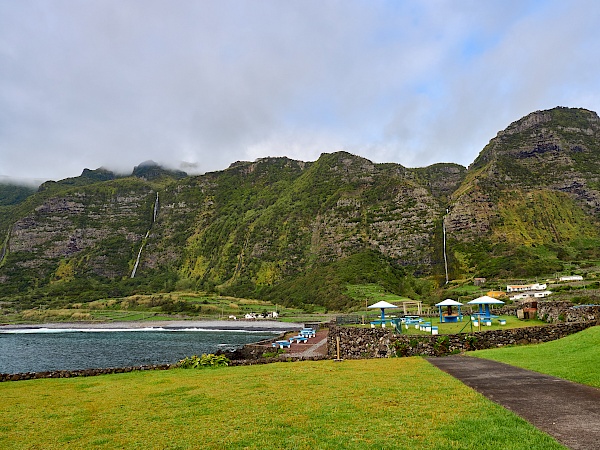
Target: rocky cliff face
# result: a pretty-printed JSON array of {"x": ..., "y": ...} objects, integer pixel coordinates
[
  {"x": 258, "y": 223},
  {"x": 78, "y": 232},
  {"x": 556, "y": 150}
]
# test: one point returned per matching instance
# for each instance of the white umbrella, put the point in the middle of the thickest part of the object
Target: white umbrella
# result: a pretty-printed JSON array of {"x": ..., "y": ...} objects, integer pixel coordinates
[
  {"x": 449, "y": 303},
  {"x": 487, "y": 301},
  {"x": 382, "y": 305}
]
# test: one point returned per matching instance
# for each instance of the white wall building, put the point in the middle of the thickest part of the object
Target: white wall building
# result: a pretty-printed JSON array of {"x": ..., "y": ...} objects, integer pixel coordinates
[
  {"x": 531, "y": 294},
  {"x": 571, "y": 278},
  {"x": 526, "y": 287}
]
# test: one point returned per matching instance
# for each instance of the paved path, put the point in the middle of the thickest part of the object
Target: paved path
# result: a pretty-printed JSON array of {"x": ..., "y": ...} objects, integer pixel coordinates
[
  {"x": 568, "y": 411},
  {"x": 316, "y": 346}
]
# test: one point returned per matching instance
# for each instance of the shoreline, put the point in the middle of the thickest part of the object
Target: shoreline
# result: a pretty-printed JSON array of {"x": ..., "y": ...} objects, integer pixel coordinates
[{"x": 241, "y": 325}]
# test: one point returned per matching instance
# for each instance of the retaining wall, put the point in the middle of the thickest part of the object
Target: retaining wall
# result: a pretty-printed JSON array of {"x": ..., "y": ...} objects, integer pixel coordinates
[
  {"x": 567, "y": 312},
  {"x": 381, "y": 343},
  {"x": 79, "y": 373}
]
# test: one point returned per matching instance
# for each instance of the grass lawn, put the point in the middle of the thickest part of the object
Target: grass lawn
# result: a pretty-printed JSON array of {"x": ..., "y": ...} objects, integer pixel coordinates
[
  {"x": 575, "y": 357},
  {"x": 400, "y": 403},
  {"x": 465, "y": 325}
]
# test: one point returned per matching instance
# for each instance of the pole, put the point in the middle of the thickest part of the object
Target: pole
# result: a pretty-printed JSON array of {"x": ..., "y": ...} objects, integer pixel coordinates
[{"x": 337, "y": 339}]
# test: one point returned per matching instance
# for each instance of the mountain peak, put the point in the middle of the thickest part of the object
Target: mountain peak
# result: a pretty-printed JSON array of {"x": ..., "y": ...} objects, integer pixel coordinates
[
  {"x": 150, "y": 170},
  {"x": 554, "y": 131}
]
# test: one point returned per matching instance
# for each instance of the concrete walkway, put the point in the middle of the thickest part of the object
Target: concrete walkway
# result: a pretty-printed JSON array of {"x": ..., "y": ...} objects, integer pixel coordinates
[
  {"x": 568, "y": 411},
  {"x": 316, "y": 346}
]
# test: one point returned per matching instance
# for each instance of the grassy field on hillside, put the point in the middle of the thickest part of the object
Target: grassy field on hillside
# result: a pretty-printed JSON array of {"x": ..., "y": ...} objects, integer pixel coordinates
[
  {"x": 400, "y": 403},
  {"x": 171, "y": 306},
  {"x": 574, "y": 357}
]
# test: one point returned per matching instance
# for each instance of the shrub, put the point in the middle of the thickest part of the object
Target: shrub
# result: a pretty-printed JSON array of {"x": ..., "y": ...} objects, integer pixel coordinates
[
  {"x": 470, "y": 342},
  {"x": 200, "y": 362},
  {"x": 442, "y": 345},
  {"x": 401, "y": 348},
  {"x": 273, "y": 353}
]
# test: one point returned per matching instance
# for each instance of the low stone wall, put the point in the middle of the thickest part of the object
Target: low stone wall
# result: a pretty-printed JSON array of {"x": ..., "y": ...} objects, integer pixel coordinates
[
  {"x": 94, "y": 372},
  {"x": 567, "y": 312},
  {"x": 79, "y": 373},
  {"x": 381, "y": 343}
]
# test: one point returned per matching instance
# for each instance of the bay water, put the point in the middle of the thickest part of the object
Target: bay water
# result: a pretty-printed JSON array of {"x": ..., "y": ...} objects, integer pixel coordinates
[{"x": 40, "y": 350}]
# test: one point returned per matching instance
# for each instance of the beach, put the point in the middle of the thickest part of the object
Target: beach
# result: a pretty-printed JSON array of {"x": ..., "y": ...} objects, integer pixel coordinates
[{"x": 228, "y": 325}]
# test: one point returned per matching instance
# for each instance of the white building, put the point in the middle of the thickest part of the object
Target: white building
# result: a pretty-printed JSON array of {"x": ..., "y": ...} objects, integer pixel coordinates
[
  {"x": 571, "y": 278},
  {"x": 530, "y": 294},
  {"x": 526, "y": 287}
]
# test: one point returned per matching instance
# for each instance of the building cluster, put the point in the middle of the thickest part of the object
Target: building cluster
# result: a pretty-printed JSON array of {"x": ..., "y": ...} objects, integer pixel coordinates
[
  {"x": 571, "y": 278},
  {"x": 525, "y": 291},
  {"x": 255, "y": 316}
]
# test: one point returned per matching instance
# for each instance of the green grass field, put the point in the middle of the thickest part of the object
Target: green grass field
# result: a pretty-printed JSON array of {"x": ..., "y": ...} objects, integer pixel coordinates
[
  {"x": 400, "y": 403},
  {"x": 462, "y": 327},
  {"x": 575, "y": 357}
]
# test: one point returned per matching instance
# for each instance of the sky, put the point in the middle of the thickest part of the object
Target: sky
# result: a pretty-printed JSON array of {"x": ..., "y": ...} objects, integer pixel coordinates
[{"x": 197, "y": 85}]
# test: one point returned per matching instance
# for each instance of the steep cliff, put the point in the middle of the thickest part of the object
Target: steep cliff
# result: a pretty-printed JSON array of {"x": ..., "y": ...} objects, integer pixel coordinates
[
  {"x": 297, "y": 231},
  {"x": 534, "y": 186}
]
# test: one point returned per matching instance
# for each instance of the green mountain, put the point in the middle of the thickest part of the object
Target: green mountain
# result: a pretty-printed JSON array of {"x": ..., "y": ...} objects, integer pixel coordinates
[
  {"x": 531, "y": 199},
  {"x": 299, "y": 232}
]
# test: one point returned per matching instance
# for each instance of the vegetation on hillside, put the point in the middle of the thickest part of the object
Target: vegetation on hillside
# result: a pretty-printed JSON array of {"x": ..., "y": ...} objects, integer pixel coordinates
[{"x": 298, "y": 233}]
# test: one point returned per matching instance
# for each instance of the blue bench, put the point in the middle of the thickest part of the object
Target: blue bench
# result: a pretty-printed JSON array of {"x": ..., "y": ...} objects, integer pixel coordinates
[
  {"x": 425, "y": 326},
  {"x": 298, "y": 339},
  {"x": 281, "y": 344},
  {"x": 408, "y": 322},
  {"x": 307, "y": 332},
  {"x": 383, "y": 322}
]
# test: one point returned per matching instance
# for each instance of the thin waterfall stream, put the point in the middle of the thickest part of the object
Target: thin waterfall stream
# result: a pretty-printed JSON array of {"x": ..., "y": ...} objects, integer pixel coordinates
[
  {"x": 445, "y": 257},
  {"x": 139, "y": 255}
]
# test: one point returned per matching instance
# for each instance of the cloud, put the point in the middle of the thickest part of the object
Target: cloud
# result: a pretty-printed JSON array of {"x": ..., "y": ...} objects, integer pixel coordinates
[{"x": 202, "y": 84}]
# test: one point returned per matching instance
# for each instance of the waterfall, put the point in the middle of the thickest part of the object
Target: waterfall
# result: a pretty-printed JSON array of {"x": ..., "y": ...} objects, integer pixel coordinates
[
  {"x": 137, "y": 261},
  {"x": 155, "y": 209},
  {"x": 139, "y": 255},
  {"x": 5, "y": 246},
  {"x": 445, "y": 258}
]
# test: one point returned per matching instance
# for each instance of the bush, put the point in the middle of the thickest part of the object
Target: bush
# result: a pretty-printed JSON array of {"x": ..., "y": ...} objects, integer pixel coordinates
[
  {"x": 442, "y": 345},
  {"x": 470, "y": 342},
  {"x": 200, "y": 362},
  {"x": 273, "y": 353},
  {"x": 401, "y": 348}
]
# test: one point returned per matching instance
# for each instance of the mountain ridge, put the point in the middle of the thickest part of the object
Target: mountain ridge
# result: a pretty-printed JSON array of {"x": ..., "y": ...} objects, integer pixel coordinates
[{"x": 275, "y": 227}]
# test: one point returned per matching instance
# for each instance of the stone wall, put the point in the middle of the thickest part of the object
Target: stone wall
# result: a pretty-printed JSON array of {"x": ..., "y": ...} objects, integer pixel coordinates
[
  {"x": 381, "y": 343},
  {"x": 79, "y": 373},
  {"x": 567, "y": 312},
  {"x": 94, "y": 372}
]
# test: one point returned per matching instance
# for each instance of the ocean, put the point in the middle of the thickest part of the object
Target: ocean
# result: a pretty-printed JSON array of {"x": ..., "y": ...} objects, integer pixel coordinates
[{"x": 47, "y": 349}]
